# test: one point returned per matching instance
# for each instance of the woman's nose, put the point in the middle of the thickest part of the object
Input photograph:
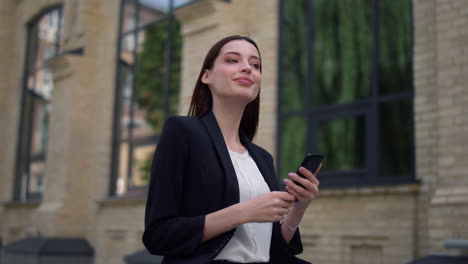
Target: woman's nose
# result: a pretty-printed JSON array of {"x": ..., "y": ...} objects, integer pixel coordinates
[{"x": 246, "y": 67}]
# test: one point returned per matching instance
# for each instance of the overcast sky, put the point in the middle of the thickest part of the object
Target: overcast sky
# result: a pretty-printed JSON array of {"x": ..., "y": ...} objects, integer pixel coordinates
[{"x": 162, "y": 4}]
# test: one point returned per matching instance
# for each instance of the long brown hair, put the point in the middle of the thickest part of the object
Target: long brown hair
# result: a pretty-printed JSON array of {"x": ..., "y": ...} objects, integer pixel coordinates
[{"x": 202, "y": 100}]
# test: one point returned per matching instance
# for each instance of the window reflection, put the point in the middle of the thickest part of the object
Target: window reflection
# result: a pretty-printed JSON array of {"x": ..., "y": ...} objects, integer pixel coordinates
[
  {"x": 342, "y": 142},
  {"x": 293, "y": 149},
  {"x": 396, "y": 157},
  {"x": 44, "y": 83},
  {"x": 151, "y": 11},
  {"x": 43, "y": 44},
  {"x": 342, "y": 51},
  {"x": 38, "y": 145},
  {"x": 294, "y": 70},
  {"x": 395, "y": 47},
  {"x": 48, "y": 27},
  {"x": 346, "y": 73},
  {"x": 149, "y": 89},
  {"x": 128, "y": 16}
]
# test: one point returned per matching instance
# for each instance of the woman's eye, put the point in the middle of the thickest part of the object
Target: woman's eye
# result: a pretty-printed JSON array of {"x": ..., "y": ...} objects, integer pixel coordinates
[
  {"x": 256, "y": 66},
  {"x": 231, "y": 60}
]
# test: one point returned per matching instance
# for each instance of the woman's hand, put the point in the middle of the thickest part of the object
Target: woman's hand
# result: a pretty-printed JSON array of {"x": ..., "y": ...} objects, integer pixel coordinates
[
  {"x": 306, "y": 194},
  {"x": 269, "y": 207}
]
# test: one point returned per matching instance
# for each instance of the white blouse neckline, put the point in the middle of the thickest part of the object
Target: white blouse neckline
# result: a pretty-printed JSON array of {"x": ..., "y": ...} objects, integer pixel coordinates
[{"x": 244, "y": 155}]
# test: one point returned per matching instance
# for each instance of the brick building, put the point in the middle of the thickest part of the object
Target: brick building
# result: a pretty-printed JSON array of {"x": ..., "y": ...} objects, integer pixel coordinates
[{"x": 80, "y": 117}]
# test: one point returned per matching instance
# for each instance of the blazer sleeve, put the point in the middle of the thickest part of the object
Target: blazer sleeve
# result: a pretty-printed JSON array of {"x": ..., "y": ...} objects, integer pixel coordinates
[{"x": 166, "y": 231}]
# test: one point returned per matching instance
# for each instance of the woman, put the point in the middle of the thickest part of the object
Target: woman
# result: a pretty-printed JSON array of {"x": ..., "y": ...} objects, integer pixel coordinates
[{"x": 213, "y": 195}]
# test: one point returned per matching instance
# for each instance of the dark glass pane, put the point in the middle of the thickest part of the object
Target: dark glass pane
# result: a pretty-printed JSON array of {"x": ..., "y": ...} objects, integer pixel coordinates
[
  {"x": 342, "y": 141},
  {"x": 38, "y": 145},
  {"x": 32, "y": 48},
  {"x": 37, "y": 175},
  {"x": 40, "y": 125},
  {"x": 128, "y": 16},
  {"x": 24, "y": 152},
  {"x": 293, "y": 148},
  {"x": 126, "y": 85},
  {"x": 396, "y": 138},
  {"x": 294, "y": 56},
  {"x": 395, "y": 46},
  {"x": 342, "y": 51}
]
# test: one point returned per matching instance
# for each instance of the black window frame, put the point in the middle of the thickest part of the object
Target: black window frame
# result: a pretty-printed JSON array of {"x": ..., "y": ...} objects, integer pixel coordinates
[
  {"x": 23, "y": 148},
  {"x": 368, "y": 107},
  {"x": 116, "y": 127}
]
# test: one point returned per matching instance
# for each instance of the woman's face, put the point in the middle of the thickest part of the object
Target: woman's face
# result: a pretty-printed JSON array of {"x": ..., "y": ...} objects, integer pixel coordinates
[{"x": 235, "y": 73}]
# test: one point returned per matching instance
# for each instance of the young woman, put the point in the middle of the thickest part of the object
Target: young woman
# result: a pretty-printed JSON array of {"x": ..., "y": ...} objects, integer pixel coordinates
[{"x": 213, "y": 195}]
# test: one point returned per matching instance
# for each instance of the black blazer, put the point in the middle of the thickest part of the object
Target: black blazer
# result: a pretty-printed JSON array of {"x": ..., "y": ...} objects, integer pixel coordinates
[{"x": 192, "y": 175}]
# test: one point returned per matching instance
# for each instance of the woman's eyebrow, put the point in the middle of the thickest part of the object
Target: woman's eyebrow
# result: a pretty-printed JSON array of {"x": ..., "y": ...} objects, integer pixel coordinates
[{"x": 238, "y": 54}]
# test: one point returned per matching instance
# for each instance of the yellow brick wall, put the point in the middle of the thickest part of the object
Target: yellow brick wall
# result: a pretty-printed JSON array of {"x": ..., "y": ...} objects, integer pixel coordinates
[
  {"x": 425, "y": 108},
  {"x": 448, "y": 213}
]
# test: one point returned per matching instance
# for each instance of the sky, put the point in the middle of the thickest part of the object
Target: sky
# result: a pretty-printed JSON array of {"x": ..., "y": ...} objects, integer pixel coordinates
[{"x": 162, "y": 4}]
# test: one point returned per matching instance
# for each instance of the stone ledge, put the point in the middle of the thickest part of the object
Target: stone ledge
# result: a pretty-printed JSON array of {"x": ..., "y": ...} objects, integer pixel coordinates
[
  {"x": 12, "y": 204},
  {"x": 373, "y": 190},
  {"x": 133, "y": 196}
]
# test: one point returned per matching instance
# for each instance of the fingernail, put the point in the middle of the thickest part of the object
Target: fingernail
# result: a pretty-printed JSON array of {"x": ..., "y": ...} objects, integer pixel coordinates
[
  {"x": 286, "y": 181},
  {"x": 290, "y": 174}
]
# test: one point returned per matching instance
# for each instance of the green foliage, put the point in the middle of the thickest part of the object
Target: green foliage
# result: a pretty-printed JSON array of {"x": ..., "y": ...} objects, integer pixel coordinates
[
  {"x": 341, "y": 72},
  {"x": 152, "y": 71}
]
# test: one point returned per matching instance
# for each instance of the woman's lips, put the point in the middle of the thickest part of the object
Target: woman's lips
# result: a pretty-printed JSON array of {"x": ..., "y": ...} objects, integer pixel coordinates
[{"x": 243, "y": 80}]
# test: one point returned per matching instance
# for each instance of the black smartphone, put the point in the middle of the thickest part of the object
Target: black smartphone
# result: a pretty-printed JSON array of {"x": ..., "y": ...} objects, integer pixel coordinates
[{"x": 310, "y": 162}]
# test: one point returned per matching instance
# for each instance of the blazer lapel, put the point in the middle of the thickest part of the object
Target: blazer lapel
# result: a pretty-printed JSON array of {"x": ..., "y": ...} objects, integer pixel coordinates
[
  {"x": 268, "y": 175},
  {"x": 232, "y": 185}
]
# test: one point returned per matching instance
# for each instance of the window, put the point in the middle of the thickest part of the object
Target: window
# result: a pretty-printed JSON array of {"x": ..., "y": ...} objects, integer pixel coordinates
[
  {"x": 43, "y": 39},
  {"x": 346, "y": 90},
  {"x": 147, "y": 90}
]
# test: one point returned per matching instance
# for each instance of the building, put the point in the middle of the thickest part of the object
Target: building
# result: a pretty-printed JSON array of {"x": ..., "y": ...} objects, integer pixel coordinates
[{"x": 378, "y": 86}]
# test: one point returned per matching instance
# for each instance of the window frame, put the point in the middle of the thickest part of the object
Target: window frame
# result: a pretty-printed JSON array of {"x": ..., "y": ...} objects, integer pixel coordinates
[
  {"x": 23, "y": 148},
  {"x": 118, "y": 98},
  {"x": 368, "y": 107}
]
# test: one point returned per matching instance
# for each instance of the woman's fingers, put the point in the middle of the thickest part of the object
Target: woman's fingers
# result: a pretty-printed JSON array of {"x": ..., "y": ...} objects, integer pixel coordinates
[
  {"x": 309, "y": 191},
  {"x": 309, "y": 175},
  {"x": 292, "y": 191},
  {"x": 304, "y": 182}
]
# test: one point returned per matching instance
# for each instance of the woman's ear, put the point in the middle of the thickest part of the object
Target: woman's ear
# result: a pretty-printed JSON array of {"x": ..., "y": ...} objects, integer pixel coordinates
[{"x": 206, "y": 77}]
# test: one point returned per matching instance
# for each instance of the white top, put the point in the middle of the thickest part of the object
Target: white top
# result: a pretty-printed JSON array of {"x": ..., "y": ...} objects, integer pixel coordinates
[{"x": 251, "y": 241}]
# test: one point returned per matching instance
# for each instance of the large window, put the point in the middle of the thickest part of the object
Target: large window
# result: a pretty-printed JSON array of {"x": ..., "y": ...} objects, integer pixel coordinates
[
  {"x": 43, "y": 40},
  {"x": 147, "y": 92},
  {"x": 346, "y": 89}
]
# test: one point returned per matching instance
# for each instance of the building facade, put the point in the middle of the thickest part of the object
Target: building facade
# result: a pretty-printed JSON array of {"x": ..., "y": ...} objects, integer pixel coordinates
[{"x": 378, "y": 86}]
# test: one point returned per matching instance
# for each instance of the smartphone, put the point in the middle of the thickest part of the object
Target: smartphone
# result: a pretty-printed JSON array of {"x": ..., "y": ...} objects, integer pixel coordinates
[{"x": 310, "y": 162}]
